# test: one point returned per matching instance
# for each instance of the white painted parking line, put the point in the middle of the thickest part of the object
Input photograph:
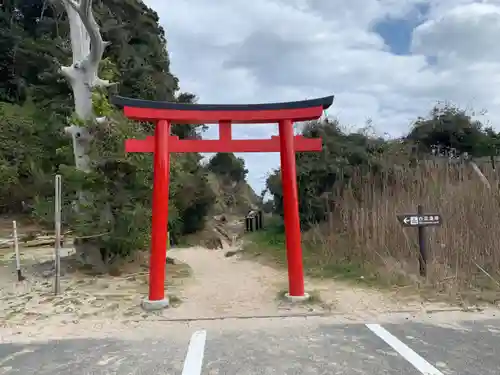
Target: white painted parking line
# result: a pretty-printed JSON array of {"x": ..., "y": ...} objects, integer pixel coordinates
[
  {"x": 405, "y": 351},
  {"x": 194, "y": 357}
]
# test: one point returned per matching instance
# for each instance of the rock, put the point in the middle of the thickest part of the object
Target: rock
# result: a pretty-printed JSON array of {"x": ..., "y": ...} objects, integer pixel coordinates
[
  {"x": 129, "y": 312},
  {"x": 48, "y": 273},
  {"x": 97, "y": 303},
  {"x": 230, "y": 254},
  {"x": 113, "y": 306},
  {"x": 213, "y": 243},
  {"x": 172, "y": 261}
]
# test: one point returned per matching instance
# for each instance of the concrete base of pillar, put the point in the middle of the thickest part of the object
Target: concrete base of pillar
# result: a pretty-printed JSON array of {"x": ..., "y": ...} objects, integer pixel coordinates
[
  {"x": 149, "y": 305},
  {"x": 303, "y": 298}
]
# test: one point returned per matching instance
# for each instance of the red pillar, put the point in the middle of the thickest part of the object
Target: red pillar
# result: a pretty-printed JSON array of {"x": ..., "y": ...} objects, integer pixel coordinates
[
  {"x": 291, "y": 210},
  {"x": 159, "y": 232}
]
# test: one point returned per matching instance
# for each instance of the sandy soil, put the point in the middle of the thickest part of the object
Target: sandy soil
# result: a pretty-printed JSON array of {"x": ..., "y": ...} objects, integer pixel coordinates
[
  {"x": 227, "y": 286},
  {"x": 217, "y": 286},
  {"x": 213, "y": 286},
  {"x": 83, "y": 295}
]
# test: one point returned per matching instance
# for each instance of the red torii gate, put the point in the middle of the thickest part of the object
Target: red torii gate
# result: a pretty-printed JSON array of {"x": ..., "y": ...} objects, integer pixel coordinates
[{"x": 162, "y": 144}]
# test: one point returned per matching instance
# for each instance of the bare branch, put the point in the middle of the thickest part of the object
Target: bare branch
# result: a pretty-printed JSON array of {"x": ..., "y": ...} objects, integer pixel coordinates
[
  {"x": 67, "y": 71},
  {"x": 102, "y": 120},
  {"x": 73, "y": 4},
  {"x": 98, "y": 82},
  {"x": 86, "y": 5},
  {"x": 480, "y": 174},
  {"x": 97, "y": 45},
  {"x": 70, "y": 129},
  {"x": 487, "y": 274}
]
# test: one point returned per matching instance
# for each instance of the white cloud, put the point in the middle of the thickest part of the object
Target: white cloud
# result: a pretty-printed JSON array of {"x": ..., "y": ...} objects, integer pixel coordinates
[
  {"x": 461, "y": 35},
  {"x": 238, "y": 51}
]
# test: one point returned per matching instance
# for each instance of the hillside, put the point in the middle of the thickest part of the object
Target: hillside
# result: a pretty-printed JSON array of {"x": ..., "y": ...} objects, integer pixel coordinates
[
  {"x": 233, "y": 198},
  {"x": 106, "y": 200}
]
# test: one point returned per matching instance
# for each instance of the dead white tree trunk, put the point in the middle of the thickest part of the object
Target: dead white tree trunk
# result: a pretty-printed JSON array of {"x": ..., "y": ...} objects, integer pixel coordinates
[{"x": 87, "y": 47}]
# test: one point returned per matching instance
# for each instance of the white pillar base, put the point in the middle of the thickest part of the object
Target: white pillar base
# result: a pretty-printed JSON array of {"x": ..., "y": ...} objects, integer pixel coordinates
[
  {"x": 149, "y": 305},
  {"x": 303, "y": 298}
]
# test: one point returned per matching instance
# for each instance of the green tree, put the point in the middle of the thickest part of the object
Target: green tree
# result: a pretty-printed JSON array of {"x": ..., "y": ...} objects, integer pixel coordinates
[
  {"x": 451, "y": 129},
  {"x": 32, "y": 147},
  {"x": 34, "y": 41},
  {"x": 320, "y": 172},
  {"x": 229, "y": 166}
]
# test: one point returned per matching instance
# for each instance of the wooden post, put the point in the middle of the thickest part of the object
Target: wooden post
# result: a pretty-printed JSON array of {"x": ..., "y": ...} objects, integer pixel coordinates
[
  {"x": 421, "y": 220},
  {"x": 57, "y": 243},
  {"x": 422, "y": 242},
  {"x": 20, "y": 276}
]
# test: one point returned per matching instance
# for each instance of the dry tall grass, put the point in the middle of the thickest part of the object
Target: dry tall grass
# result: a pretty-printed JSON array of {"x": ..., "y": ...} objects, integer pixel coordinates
[{"x": 463, "y": 254}]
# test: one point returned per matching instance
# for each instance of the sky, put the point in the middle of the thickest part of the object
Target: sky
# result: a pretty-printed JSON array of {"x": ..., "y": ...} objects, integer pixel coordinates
[{"x": 386, "y": 61}]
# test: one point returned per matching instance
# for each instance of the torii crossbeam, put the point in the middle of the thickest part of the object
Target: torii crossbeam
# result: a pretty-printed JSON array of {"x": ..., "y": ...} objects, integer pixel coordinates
[{"x": 162, "y": 144}]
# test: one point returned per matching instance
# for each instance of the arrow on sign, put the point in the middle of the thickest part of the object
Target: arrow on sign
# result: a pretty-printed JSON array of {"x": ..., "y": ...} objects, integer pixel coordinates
[{"x": 416, "y": 220}]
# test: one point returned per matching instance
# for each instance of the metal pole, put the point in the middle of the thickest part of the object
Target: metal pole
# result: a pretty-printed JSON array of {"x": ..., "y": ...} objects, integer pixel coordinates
[
  {"x": 422, "y": 260},
  {"x": 18, "y": 255},
  {"x": 57, "y": 244}
]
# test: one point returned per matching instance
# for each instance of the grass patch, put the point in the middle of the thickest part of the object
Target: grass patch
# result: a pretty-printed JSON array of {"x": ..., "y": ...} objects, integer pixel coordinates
[
  {"x": 174, "y": 301},
  {"x": 268, "y": 245}
]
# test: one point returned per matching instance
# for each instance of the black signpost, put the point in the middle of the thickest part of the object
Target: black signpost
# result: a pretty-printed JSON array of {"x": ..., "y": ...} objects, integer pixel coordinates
[{"x": 420, "y": 220}]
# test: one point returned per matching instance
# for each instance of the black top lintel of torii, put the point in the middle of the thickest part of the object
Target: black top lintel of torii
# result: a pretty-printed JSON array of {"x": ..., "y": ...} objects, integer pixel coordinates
[{"x": 121, "y": 102}]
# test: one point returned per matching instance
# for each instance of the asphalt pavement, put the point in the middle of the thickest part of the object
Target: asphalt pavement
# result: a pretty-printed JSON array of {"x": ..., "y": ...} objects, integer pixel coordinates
[{"x": 410, "y": 348}]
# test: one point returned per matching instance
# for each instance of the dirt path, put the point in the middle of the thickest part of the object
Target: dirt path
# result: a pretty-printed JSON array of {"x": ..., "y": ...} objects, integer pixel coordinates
[
  {"x": 232, "y": 286},
  {"x": 222, "y": 286}
]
